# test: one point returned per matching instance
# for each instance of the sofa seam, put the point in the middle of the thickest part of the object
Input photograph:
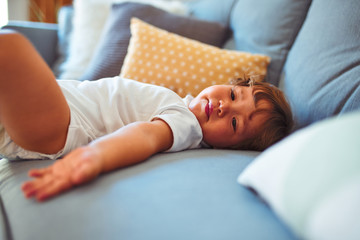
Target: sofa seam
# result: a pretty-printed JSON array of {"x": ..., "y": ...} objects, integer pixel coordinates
[
  {"x": 230, "y": 16},
  {"x": 6, "y": 227}
]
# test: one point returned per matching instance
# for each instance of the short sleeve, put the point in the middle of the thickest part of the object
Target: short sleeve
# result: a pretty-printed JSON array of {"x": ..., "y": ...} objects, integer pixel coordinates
[{"x": 185, "y": 128}]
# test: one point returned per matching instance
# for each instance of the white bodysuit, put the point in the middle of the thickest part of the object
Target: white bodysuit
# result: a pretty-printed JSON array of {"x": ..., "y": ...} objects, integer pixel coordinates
[{"x": 103, "y": 106}]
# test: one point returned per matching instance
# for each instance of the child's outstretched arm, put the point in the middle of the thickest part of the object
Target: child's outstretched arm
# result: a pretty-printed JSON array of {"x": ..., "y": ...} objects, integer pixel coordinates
[{"x": 129, "y": 145}]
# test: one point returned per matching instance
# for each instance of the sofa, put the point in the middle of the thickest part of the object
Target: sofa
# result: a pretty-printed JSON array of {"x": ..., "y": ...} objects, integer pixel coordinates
[{"x": 307, "y": 186}]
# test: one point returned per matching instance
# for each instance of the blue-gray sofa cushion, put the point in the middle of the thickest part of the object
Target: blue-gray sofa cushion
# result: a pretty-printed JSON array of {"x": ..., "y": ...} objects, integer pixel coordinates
[
  {"x": 212, "y": 10},
  {"x": 268, "y": 27},
  {"x": 186, "y": 195},
  {"x": 42, "y": 35},
  {"x": 65, "y": 17},
  {"x": 322, "y": 72}
]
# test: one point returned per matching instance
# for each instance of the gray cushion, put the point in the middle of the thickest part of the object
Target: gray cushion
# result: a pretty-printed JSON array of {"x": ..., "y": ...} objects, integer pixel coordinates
[
  {"x": 268, "y": 27},
  {"x": 65, "y": 16},
  {"x": 111, "y": 51},
  {"x": 322, "y": 72},
  {"x": 42, "y": 35},
  {"x": 186, "y": 195}
]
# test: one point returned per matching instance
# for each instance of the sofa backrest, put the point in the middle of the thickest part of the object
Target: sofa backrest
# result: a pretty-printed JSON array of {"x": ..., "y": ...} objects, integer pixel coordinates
[
  {"x": 316, "y": 44},
  {"x": 322, "y": 71},
  {"x": 317, "y": 41}
]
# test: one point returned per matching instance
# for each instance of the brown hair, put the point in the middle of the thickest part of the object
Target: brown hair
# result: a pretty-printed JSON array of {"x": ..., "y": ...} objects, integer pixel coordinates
[{"x": 279, "y": 119}]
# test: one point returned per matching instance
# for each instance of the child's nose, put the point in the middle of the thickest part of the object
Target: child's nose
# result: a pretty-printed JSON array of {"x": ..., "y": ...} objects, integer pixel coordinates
[{"x": 223, "y": 108}]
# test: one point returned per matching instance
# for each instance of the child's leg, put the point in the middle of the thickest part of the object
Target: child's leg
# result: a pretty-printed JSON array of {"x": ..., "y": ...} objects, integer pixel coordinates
[{"x": 33, "y": 109}]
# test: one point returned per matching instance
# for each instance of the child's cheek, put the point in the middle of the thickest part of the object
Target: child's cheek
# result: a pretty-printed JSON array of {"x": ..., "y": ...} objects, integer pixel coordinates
[{"x": 219, "y": 130}]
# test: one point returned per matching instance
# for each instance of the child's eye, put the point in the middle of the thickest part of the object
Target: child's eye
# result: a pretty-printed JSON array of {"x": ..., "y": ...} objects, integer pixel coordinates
[
  {"x": 232, "y": 94},
  {"x": 234, "y": 124}
]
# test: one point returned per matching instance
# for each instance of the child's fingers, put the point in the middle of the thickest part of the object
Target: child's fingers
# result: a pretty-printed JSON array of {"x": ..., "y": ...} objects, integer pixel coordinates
[
  {"x": 52, "y": 189},
  {"x": 39, "y": 172},
  {"x": 27, "y": 188},
  {"x": 31, "y": 188},
  {"x": 44, "y": 189}
]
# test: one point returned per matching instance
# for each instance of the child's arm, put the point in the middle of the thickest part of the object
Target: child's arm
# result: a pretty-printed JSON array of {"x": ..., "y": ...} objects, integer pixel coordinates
[{"x": 129, "y": 145}]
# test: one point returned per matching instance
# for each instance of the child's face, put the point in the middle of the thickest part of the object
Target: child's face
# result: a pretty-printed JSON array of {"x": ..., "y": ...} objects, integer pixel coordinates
[{"x": 223, "y": 112}]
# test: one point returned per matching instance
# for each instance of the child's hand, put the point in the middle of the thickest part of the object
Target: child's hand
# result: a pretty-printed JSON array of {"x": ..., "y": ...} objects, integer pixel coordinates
[{"x": 79, "y": 166}]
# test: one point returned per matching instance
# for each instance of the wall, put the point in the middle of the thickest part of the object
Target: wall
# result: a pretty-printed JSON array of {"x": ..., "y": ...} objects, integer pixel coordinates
[{"x": 18, "y": 10}]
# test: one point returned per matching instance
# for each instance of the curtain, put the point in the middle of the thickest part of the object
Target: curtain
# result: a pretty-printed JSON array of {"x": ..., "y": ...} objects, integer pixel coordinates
[{"x": 46, "y": 10}]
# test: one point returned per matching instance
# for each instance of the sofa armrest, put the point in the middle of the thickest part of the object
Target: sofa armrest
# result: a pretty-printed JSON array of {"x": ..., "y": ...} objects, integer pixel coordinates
[{"x": 42, "y": 35}]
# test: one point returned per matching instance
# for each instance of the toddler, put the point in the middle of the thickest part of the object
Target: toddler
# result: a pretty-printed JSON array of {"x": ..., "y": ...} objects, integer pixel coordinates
[{"x": 107, "y": 124}]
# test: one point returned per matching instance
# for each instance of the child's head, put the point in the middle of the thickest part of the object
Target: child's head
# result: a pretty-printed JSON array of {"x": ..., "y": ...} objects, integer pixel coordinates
[{"x": 244, "y": 115}]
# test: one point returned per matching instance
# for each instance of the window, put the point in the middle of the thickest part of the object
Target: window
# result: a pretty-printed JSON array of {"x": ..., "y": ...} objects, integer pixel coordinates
[{"x": 3, "y": 12}]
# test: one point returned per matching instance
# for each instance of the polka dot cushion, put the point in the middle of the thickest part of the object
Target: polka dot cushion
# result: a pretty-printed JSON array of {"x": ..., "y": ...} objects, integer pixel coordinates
[{"x": 186, "y": 66}]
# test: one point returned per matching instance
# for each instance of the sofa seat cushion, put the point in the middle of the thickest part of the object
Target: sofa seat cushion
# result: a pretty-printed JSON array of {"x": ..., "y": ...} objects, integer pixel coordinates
[{"x": 186, "y": 195}]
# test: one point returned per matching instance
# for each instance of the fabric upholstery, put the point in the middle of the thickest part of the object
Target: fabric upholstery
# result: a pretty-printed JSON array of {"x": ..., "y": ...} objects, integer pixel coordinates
[
  {"x": 65, "y": 17},
  {"x": 322, "y": 72},
  {"x": 42, "y": 35},
  {"x": 186, "y": 195},
  {"x": 212, "y": 10},
  {"x": 268, "y": 27}
]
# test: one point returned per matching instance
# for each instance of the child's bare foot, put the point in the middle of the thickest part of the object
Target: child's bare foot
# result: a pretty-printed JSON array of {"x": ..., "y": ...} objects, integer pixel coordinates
[{"x": 79, "y": 166}]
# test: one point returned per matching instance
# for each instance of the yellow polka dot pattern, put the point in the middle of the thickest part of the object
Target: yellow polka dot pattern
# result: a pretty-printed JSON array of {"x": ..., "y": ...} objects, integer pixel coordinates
[{"x": 186, "y": 66}]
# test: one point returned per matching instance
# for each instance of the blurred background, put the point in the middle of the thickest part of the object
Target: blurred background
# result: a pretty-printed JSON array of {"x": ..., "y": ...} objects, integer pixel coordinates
[{"x": 30, "y": 10}]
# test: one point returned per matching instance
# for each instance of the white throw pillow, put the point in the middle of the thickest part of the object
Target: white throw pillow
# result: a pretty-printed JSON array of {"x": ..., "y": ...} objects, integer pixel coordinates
[
  {"x": 88, "y": 22},
  {"x": 312, "y": 179}
]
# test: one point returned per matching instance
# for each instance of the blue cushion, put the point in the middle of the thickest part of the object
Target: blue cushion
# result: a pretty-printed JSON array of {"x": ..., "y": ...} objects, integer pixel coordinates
[
  {"x": 268, "y": 27},
  {"x": 322, "y": 72},
  {"x": 185, "y": 195},
  {"x": 212, "y": 10}
]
